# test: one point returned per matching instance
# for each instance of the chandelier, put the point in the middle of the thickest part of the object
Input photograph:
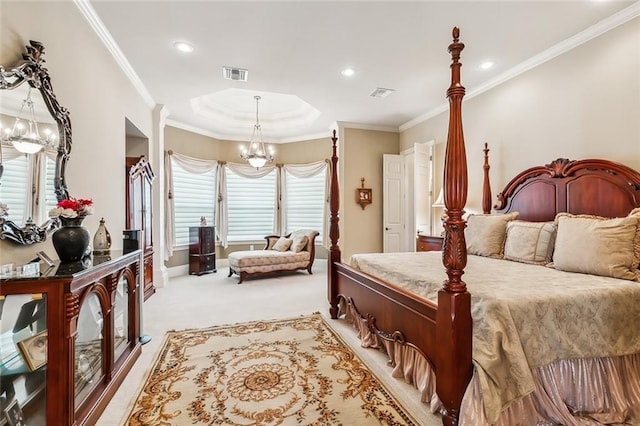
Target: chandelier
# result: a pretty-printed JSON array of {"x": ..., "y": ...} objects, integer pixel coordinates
[
  {"x": 257, "y": 155},
  {"x": 24, "y": 135}
]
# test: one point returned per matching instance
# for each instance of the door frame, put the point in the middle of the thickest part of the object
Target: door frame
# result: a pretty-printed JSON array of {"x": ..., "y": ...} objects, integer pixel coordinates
[{"x": 409, "y": 208}]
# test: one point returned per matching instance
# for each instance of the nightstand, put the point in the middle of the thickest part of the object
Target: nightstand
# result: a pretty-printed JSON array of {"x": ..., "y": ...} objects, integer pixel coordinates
[{"x": 429, "y": 243}]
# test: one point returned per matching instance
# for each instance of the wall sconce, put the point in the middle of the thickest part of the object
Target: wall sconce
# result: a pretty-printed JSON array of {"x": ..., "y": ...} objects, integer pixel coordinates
[{"x": 363, "y": 195}]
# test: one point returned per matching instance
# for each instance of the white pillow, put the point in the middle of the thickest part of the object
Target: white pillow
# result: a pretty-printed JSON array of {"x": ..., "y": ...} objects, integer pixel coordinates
[
  {"x": 485, "y": 233},
  {"x": 282, "y": 244},
  {"x": 299, "y": 243},
  {"x": 530, "y": 242},
  {"x": 598, "y": 246}
]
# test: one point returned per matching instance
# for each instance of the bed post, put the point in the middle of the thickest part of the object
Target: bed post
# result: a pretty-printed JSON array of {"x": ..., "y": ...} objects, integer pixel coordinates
[
  {"x": 334, "y": 231},
  {"x": 453, "y": 319},
  {"x": 486, "y": 184}
]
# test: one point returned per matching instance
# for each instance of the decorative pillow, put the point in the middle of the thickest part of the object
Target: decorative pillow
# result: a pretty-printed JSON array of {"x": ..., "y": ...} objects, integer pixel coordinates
[
  {"x": 299, "y": 243},
  {"x": 485, "y": 233},
  {"x": 282, "y": 244},
  {"x": 598, "y": 246},
  {"x": 530, "y": 242}
]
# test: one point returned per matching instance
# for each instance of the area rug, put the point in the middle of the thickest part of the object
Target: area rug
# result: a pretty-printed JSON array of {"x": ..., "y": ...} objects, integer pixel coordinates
[{"x": 287, "y": 372}]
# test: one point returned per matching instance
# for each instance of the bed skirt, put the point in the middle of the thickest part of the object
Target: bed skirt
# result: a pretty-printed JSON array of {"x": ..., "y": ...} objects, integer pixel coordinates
[{"x": 568, "y": 392}]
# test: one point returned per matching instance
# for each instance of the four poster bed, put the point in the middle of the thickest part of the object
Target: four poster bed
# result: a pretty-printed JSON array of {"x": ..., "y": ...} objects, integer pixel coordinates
[{"x": 550, "y": 346}]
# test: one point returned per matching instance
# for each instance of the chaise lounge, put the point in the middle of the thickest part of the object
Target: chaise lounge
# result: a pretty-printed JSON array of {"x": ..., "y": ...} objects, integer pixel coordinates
[{"x": 291, "y": 252}]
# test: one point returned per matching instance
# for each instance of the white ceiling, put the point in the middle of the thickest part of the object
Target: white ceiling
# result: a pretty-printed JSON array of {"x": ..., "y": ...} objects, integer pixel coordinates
[{"x": 299, "y": 49}]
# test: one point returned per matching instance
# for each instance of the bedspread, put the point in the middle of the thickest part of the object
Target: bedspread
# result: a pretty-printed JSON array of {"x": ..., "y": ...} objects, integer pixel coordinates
[{"x": 524, "y": 316}]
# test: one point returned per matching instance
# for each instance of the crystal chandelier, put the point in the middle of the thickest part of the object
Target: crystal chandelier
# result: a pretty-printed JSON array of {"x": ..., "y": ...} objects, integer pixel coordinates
[
  {"x": 257, "y": 155},
  {"x": 24, "y": 135}
]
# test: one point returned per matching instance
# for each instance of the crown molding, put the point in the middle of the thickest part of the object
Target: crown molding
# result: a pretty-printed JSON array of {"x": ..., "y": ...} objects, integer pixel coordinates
[
  {"x": 607, "y": 24},
  {"x": 105, "y": 36},
  {"x": 361, "y": 126},
  {"x": 238, "y": 138}
]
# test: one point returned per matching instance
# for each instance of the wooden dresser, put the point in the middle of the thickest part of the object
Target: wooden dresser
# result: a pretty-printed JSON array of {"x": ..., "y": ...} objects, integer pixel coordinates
[
  {"x": 75, "y": 336},
  {"x": 202, "y": 249},
  {"x": 429, "y": 243}
]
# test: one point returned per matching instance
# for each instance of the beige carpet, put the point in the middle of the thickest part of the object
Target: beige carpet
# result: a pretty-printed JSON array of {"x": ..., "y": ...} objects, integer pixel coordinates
[
  {"x": 293, "y": 371},
  {"x": 214, "y": 299}
]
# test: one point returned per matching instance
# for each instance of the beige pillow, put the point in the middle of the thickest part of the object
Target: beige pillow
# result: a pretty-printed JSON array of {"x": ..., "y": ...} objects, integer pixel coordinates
[
  {"x": 530, "y": 242},
  {"x": 598, "y": 246},
  {"x": 299, "y": 243},
  {"x": 282, "y": 244},
  {"x": 485, "y": 233}
]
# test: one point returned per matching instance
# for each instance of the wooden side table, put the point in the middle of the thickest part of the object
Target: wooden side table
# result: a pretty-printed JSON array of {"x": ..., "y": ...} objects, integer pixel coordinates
[
  {"x": 202, "y": 250},
  {"x": 429, "y": 243}
]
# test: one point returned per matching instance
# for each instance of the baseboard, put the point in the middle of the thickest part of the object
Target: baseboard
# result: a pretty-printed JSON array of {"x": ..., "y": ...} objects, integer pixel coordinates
[{"x": 181, "y": 270}]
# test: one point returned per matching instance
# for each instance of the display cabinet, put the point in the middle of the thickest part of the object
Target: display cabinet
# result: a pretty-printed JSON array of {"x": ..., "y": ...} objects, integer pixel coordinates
[
  {"x": 139, "y": 177},
  {"x": 68, "y": 338},
  {"x": 202, "y": 249}
]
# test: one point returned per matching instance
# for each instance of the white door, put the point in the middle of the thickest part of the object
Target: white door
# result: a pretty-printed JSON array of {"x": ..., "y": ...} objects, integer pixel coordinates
[
  {"x": 423, "y": 187},
  {"x": 393, "y": 202}
]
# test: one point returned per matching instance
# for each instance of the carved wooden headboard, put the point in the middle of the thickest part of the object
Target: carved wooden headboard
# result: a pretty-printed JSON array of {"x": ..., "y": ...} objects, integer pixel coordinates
[{"x": 597, "y": 187}]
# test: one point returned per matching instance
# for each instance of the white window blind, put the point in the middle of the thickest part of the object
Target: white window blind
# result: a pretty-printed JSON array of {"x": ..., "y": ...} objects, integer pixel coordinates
[
  {"x": 251, "y": 206},
  {"x": 50, "y": 199},
  {"x": 14, "y": 188},
  {"x": 305, "y": 203},
  {"x": 194, "y": 196}
]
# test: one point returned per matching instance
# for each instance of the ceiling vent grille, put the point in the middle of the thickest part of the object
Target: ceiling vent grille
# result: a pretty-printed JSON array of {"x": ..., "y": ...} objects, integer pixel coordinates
[
  {"x": 237, "y": 74},
  {"x": 380, "y": 92}
]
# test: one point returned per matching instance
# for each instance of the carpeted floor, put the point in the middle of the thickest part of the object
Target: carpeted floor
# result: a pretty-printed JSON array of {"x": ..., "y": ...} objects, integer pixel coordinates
[
  {"x": 191, "y": 302},
  {"x": 292, "y": 371}
]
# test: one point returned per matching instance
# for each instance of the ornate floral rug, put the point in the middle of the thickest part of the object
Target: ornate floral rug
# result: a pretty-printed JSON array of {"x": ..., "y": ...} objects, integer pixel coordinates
[{"x": 287, "y": 372}]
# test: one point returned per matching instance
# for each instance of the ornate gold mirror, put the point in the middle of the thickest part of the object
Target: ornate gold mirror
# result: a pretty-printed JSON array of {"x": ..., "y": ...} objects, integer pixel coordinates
[{"x": 35, "y": 140}]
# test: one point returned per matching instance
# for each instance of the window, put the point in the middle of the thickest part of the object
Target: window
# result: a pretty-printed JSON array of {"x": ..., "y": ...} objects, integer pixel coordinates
[
  {"x": 194, "y": 196},
  {"x": 14, "y": 190},
  {"x": 48, "y": 187},
  {"x": 305, "y": 203},
  {"x": 251, "y": 206}
]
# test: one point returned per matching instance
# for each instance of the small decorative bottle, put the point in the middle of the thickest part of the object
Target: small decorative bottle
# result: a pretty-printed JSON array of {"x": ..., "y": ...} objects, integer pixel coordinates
[{"x": 101, "y": 240}]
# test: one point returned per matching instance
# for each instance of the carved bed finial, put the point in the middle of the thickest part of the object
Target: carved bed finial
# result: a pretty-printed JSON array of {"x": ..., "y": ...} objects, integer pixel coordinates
[
  {"x": 334, "y": 229},
  {"x": 486, "y": 183},
  {"x": 454, "y": 254}
]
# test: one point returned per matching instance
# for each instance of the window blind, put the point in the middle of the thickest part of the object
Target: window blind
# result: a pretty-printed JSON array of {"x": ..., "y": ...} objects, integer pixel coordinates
[
  {"x": 50, "y": 199},
  {"x": 14, "y": 188},
  {"x": 251, "y": 206},
  {"x": 305, "y": 203},
  {"x": 194, "y": 196}
]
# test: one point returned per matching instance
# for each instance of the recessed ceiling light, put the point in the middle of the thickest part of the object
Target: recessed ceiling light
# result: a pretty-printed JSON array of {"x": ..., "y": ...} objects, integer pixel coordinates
[
  {"x": 348, "y": 72},
  {"x": 183, "y": 46},
  {"x": 487, "y": 64}
]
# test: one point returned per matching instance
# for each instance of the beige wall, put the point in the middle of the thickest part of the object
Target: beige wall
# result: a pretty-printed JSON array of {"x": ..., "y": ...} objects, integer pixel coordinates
[
  {"x": 583, "y": 104},
  {"x": 361, "y": 156},
  {"x": 88, "y": 82},
  {"x": 199, "y": 146}
]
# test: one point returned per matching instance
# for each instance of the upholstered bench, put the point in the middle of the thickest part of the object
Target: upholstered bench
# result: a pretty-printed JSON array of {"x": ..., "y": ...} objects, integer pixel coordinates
[{"x": 292, "y": 252}]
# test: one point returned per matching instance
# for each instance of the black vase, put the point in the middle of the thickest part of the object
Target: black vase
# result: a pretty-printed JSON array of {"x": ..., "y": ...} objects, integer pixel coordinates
[{"x": 71, "y": 241}]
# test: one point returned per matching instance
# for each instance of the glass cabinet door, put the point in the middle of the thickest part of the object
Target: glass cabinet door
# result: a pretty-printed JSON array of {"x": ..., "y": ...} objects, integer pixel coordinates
[
  {"x": 121, "y": 318},
  {"x": 23, "y": 359},
  {"x": 88, "y": 348}
]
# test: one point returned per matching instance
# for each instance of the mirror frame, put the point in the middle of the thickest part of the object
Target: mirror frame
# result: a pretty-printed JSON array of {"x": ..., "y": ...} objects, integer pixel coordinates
[{"x": 31, "y": 71}]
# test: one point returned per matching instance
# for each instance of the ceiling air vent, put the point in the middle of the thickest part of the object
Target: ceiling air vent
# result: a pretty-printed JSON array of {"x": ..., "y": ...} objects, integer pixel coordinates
[
  {"x": 237, "y": 74},
  {"x": 381, "y": 92}
]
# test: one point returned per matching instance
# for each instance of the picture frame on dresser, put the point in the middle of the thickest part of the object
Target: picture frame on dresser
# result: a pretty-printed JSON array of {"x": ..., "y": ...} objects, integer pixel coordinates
[
  {"x": 34, "y": 350},
  {"x": 13, "y": 414}
]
